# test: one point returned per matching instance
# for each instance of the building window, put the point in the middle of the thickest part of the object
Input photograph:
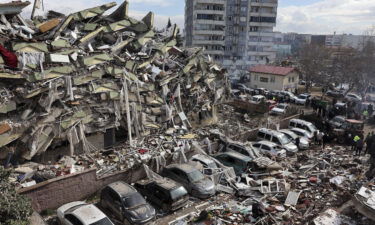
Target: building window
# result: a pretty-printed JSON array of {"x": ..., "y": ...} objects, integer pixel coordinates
[
  {"x": 263, "y": 79},
  {"x": 256, "y": 77},
  {"x": 254, "y": 29},
  {"x": 272, "y": 79}
]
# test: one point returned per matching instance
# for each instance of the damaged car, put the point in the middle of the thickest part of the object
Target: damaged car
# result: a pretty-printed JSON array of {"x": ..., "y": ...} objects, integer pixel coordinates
[
  {"x": 208, "y": 165},
  {"x": 81, "y": 213},
  {"x": 165, "y": 193},
  {"x": 126, "y": 203},
  {"x": 191, "y": 178}
]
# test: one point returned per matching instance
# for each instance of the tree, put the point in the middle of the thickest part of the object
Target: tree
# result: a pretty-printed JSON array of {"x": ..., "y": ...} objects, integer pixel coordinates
[
  {"x": 15, "y": 209},
  {"x": 313, "y": 63}
]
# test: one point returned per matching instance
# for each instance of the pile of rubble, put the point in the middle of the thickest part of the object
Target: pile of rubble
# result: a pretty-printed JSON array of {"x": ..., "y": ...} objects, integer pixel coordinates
[
  {"x": 315, "y": 187},
  {"x": 65, "y": 77}
]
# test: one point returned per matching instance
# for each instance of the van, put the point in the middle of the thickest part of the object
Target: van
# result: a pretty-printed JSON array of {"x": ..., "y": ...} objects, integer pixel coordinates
[
  {"x": 302, "y": 124},
  {"x": 277, "y": 138}
]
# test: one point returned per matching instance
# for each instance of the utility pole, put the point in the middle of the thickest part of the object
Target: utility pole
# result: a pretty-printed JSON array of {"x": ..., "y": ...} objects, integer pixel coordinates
[{"x": 33, "y": 12}]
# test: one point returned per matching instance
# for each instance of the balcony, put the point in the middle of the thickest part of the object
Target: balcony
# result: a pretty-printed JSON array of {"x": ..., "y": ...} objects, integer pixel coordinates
[
  {"x": 207, "y": 42},
  {"x": 208, "y": 32},
  {"x": 205, "y": 11},
  {"x": 267, "y": 14},
  {"x": 260, "y": 43},
  {"x": 216, "y": 22},
  {"x": 261, "y": 33},
  {"x": 262, "y": 24},
  {"x": 264, "y": 3},
  {"x": 212, "y": 1}
]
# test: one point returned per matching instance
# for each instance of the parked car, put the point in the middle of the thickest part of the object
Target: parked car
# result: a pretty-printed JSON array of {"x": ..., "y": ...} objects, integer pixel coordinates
[
  {"x": 280, "y": 109},
  {"x": 258, "y": 99},
  {"x": 239, "y": 162},
  {"x": 270, "y": 148},
  {"x": 335, "y": 93},
  {"x": 260, "y": 91},
  {"x": 231, "y": 146},
  {"x": 164, "y": 193},
  {"x": 277, "y": 138},
  {"x": 208, "y": 164},
  {"x": 351, "y": 97},
  {"x": 191, "y": 178},
  {"x": 81, "y": 213},
  {"x": 298, "y": 123},
  {"x": 301, "y": 99},
  {"x": 126, "y": 204},
  {"x": 303, "y": 133},
  {"x": 289, "y": 96},
  {"x": 243, "y": 88},
  {"x": 337, "y": 121},
  {"x": 304, "y": 143}
]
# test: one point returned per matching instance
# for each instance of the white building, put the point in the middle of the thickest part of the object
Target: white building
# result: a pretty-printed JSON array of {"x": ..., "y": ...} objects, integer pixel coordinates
[
  {"x": 236, "y": 33},
  {"x": 274, "y": 78}
]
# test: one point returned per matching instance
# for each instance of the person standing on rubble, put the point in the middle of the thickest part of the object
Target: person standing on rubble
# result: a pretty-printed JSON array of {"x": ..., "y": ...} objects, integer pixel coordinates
[
  {"x": 369, "y": 140},
  {"x": 359, "y": 147},
  {"x": 320, "y": 137},
  {"x": 355, "y": 140},
  {"x": 325, "y": 140},
  {"x": 297, "y": 142}
]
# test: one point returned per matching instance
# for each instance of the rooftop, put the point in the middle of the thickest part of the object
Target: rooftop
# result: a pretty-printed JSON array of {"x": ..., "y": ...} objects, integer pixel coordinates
[{"x": 276, "y": 70}]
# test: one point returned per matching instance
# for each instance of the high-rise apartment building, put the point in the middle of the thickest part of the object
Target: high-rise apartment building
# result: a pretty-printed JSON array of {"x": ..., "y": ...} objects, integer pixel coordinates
[{"x": 236, "y": 33}]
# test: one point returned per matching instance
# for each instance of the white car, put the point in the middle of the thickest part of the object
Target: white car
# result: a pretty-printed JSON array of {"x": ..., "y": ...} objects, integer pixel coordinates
[
  {"x": 304, "y": 143},
  {"x": 258, "y": 99},
  {"x": 301, "y": 99},
  {"x": 279, "y": 109},
  {"x": 303, "y": 133},
  {"x": 269, "y": 148},
  {"x": 351, "y": 97},
  {"x": 81, "y": 213}
]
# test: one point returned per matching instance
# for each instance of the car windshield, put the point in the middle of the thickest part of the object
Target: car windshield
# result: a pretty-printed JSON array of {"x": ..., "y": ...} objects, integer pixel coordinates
[
  {"x": 291, "y": 136},
  {"x": 133, "y": 200},
  {"x": 281, "y": 106},
  {"x": 284, "y": 139},
  {"x": 195, "y": 176},
  {"x": 302, "y": 96},
  {"x": 178, "y": 193},
  {"x": 312, "y": 128},
  {"x": 104, "y": 221}
]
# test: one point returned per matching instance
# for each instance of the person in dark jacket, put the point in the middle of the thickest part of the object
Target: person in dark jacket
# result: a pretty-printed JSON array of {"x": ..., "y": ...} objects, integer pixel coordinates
[
  {"x": 359, "y": 147},
  {"x": 297, "y": 142}
]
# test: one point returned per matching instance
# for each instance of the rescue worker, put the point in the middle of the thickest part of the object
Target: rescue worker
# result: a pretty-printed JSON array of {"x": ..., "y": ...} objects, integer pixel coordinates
[{"x": 355, "y": 140}]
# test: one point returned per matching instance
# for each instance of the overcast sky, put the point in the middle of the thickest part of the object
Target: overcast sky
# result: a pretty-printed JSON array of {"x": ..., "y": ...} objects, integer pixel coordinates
[{"x": 303, "y": 16}]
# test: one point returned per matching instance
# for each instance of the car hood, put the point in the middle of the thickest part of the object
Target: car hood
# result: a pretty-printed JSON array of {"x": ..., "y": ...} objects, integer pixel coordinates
[
  {"x": 304, "y": 141},
  {"x": 204, "y": 186},
  {"x": 277, "y": 110},
  {"x": 142, "y": 212},
  {"x": 290, "y": 147}
]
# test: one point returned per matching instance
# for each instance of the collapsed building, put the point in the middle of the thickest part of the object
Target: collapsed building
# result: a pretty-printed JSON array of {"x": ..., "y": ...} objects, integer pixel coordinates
[{"x": 88, "y": 72}]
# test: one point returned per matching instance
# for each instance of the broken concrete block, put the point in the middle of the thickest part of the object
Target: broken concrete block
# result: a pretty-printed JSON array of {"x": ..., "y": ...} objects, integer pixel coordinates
[{"x": 49, "y": 25}]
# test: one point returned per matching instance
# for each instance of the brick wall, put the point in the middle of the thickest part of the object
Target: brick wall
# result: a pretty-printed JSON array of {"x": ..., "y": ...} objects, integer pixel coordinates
[{"x": 53, "y": 193}]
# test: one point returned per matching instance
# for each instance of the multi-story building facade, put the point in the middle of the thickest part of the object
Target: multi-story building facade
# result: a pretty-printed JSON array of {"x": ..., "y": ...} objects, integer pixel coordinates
[{"x": 236, "y": 33}]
